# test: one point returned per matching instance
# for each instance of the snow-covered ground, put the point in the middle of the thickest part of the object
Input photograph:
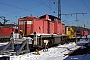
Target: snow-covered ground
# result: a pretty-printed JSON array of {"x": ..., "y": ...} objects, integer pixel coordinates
[{"x": 54, "y": 53}]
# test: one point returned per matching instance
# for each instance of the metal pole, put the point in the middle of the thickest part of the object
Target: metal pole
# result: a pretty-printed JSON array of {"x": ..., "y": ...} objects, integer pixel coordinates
[{"x": 59, "y": 10}]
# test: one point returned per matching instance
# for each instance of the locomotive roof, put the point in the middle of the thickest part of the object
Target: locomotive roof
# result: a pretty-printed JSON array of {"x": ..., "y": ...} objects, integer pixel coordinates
[
  {"x": 27, "y": 18},
  {"x": 50, "y": 17}
]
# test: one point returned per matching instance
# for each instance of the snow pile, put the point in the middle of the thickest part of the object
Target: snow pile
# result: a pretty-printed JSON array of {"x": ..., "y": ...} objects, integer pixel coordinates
[{"x": 5, "y": 43}]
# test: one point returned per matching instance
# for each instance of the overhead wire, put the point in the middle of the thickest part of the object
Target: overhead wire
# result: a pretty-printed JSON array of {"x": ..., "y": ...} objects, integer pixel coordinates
[
  {"x": 56, "y": 6},
  {"x": 65, "y": 13},
  {"x": 13, "y": 6},
  {"x": 43, "y": 3},
  {"x": 75, "y": 7},
  {"x": 47, "y": 5},
  {"x": 17, "y": 8},
  {"x": 11, "y": 12},
  {"x": 52, "y": 9},
  {"x": 24, "y": 8},
  {"x": 7, "y": 10},
  {"x": 86, "y": 5},
  {"x": 72, "y": 5}
]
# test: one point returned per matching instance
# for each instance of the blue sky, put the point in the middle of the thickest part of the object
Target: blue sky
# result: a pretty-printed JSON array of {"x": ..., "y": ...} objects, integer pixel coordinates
[{"x": 14, "y": 9}]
